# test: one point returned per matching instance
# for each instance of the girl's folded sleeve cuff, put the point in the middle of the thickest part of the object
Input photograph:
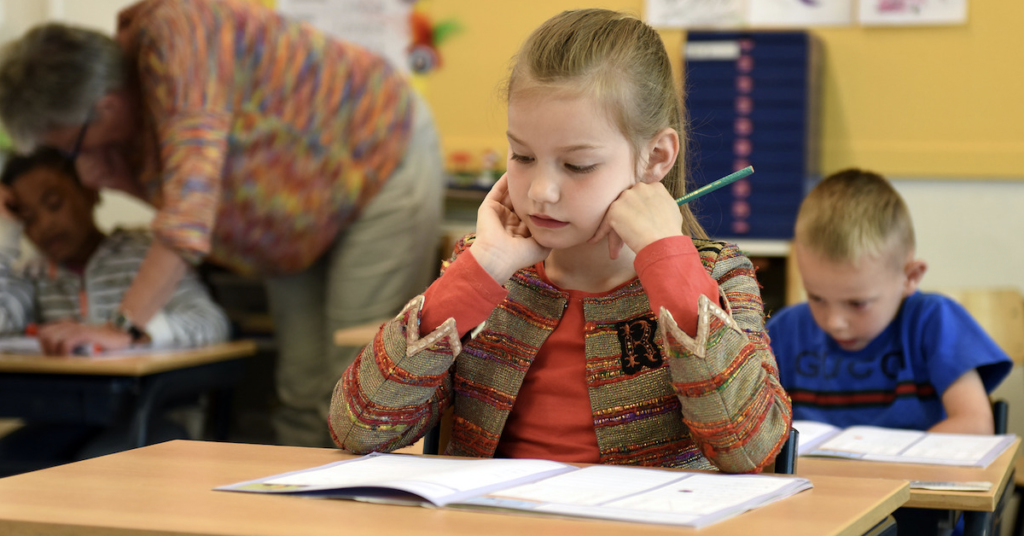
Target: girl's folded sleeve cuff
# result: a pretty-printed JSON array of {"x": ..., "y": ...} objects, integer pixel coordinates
[
  {"x": 673, "y": 276},
  {"x": 465, "y": 292}
]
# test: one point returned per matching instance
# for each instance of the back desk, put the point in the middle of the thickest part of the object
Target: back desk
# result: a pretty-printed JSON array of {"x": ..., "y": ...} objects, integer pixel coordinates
[
  {"x": 166, "y": 489},
  {"x": 980, "y": 508},
  {"x": 110, "y": 390}
]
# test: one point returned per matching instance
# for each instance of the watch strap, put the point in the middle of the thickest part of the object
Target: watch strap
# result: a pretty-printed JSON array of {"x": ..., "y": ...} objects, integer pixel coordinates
[{"x": 122, "y": 322}]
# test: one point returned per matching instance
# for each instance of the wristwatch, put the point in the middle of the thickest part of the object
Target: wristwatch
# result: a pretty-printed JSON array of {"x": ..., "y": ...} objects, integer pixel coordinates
[{"x": 120, "y": 321}]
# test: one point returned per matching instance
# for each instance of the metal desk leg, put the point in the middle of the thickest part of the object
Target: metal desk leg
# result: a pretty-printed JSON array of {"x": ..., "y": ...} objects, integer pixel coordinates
[
  {"x": 157, "y": 390},
  {"x": 1018, "y": 522},
  {"x": 145, "y": 408},
  {"x": 989, "y": 523},
  {"x": 978, "y": 524},
  {"x": 222, "y": 401},
  {"x": 885, "y": 527},
  {"x": 924, "y": 521}
]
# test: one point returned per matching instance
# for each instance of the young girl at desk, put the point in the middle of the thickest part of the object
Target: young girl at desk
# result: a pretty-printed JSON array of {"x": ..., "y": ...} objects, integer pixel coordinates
[{"x": 608, "y": 328}]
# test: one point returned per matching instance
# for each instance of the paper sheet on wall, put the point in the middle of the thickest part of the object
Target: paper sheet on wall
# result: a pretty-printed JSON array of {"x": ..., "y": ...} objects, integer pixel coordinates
[
  {"x": 801, "y": 13},
  {"x": 696, "y": 13},
  {"x": 912, "y": 12},
  {"x": 379, "y": 25}
]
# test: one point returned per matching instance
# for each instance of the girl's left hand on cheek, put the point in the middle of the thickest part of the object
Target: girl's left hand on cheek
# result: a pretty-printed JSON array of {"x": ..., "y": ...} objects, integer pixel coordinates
[{"x": 642, "y": 214}]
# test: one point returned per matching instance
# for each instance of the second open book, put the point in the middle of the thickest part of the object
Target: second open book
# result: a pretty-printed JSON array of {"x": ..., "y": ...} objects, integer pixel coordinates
[
  {"x": 535, "y": 486},
  {"x": 899, "y": 446}
]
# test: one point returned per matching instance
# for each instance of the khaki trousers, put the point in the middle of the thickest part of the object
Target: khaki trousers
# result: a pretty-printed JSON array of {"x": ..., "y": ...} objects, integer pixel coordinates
[{"x": 375, "y": 266}]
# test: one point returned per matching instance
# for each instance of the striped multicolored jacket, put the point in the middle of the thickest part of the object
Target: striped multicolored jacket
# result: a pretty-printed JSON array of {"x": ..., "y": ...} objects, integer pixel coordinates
[
  {"x": 39, "y": 291},
  {"x": 715, "y": 401}
]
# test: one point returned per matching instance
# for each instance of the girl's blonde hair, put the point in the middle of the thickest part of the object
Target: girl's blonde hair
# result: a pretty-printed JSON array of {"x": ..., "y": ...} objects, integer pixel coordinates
[{"x": 622, "y": 63}]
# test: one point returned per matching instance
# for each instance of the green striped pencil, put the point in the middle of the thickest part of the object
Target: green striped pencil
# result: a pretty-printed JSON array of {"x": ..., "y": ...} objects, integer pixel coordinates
[{"x": 708, "y": 188}]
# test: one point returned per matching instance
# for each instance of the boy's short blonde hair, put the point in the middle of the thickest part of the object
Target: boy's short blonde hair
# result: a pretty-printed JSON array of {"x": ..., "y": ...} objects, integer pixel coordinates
[{"x": 855, "y": 213}]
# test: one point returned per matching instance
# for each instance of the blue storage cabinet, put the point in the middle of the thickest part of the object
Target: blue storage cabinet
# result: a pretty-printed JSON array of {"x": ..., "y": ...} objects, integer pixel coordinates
[{"x": 752, "y": 99}]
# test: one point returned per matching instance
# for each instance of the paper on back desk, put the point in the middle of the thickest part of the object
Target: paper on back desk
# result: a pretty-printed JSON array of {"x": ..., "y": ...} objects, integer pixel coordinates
[{"x": 29, "y": 346}]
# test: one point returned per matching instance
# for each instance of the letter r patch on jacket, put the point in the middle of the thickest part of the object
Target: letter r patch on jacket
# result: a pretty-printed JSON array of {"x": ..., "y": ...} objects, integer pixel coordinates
[{"x": 636, "y": 337}]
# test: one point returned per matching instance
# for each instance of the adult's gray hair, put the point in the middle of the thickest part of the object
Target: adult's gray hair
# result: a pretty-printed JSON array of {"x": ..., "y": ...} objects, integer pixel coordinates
[{"x": 52, "y": 76}]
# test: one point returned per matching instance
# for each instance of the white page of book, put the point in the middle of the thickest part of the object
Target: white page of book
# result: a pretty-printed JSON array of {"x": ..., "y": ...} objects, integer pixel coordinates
[
  {"x": 869, "y": 440},
  {"x": 439, "y": 480},
  {"x": 21, "y": 344},
  {"x": 592, "y": 485},
  {"x": 703, "y": 494},
  {"x": 945, "y": 448},
  {"x": 912, "y": 446},
  {"x": 24, "y": 345},
  {"x": 645, "y": 495},
  {"x": 811, "y": 433}
]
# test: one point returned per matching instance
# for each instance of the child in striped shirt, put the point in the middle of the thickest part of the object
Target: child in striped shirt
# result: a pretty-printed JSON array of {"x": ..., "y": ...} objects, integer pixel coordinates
[
  {"x": 83, "y": 273},
  {"x": 78, "y": 280}
]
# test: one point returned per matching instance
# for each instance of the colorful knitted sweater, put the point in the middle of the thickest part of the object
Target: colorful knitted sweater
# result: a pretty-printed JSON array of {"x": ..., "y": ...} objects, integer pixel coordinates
[
  {"x": 263, "y": 138},
  {"x": 713, "y": 400}
]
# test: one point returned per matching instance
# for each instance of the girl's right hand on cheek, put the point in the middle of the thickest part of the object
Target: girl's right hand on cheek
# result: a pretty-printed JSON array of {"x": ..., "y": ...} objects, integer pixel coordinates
[{"x": 503, "y": 241}]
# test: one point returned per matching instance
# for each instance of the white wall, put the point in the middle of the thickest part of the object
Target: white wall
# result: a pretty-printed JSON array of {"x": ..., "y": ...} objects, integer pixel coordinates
[
  {"x": 97, "y": 14},
  {"x": 970, "y": 232}
]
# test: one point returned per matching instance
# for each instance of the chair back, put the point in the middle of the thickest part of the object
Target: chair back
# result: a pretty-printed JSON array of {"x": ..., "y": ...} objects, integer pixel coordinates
[
  {"x": 785, "y": 462},
  {"x": 999, "y": 311},
  {"x": 437, "y": 438},
  {"x": 1000, "y": 415}
]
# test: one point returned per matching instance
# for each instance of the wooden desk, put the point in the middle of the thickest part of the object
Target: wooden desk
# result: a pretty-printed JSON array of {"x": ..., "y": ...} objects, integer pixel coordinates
[
  {"x": 358, "y": 336},
  {"x": 136, "y": 365},
  {"x": 108, "y": 391},
  {"x": 998, "y": 472},
  {"x": 166, "y": 490}
]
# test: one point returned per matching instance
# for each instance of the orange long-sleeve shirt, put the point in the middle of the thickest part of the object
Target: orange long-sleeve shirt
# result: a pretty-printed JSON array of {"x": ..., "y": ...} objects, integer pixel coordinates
[{"x": 552, "y": 418}]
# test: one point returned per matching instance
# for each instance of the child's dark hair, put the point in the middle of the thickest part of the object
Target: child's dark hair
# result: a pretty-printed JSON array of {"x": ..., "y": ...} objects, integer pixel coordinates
[{"x": 42, "y": 157}]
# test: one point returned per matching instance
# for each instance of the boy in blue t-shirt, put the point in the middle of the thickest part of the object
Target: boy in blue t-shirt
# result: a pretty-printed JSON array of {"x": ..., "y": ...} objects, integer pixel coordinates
[{"x": 868, "y": 348}]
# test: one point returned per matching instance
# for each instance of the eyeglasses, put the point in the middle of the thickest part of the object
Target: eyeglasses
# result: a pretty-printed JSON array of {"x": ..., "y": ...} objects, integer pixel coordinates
[{"x": 73, "y": 155}]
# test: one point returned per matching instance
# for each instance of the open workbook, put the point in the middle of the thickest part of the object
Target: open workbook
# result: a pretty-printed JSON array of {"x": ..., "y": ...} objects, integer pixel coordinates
[
  {"x": 535, "y": 486},
  {"x": 899, "y": 446}
]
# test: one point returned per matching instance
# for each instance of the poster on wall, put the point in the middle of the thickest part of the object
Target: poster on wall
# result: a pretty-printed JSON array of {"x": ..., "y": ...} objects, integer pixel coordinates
[
  {"x": 695, "y": 13},
  {"x": 380, "y": 25},
  {"x": 800, "y": 13},
  {"x": 912, "y": 12}
]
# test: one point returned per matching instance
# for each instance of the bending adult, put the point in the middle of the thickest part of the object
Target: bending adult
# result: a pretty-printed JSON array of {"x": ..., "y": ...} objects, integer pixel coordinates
[{"x": 265, "y": 147}]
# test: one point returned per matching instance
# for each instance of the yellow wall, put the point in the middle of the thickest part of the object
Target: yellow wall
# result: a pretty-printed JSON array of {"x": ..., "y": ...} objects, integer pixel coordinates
[{"x": 909, "y": 102}]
